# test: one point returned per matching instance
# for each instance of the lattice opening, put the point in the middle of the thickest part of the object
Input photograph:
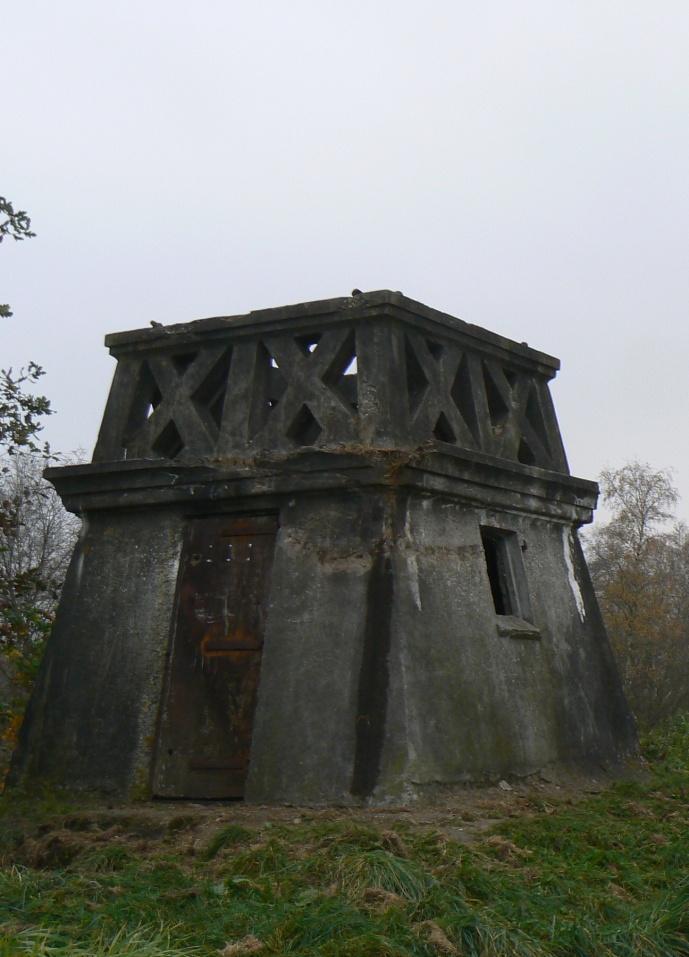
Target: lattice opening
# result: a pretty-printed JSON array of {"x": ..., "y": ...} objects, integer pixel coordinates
[
  {"x": 463, "y": 397},
  {"x": 305, "y": 428},
  {"x": 145, "y": 400},
  {"x": 210, "y": 395},
  {"x": 525, "y": 454},
  {"x": 169, "y": 443},
  {"x": 153, "y": 402},
  {"x": 534, "y": 416},
  {"x": 308, "y": 342},
  {"x": 443, "y": 430},
  {"x": 417, "y": 383},
  {"x": 183, "y": 360},
  {"x": 342, "y": 374},
  {"x": 276, "y": 382},
  {"x": 435, "y": 348},
  {"x": 497, "y": 407},
  {"x": 269, "y": 385}
]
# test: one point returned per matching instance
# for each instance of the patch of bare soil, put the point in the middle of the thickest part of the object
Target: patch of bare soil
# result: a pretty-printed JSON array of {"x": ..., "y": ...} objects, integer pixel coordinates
[{"x": 458, "y": 814}]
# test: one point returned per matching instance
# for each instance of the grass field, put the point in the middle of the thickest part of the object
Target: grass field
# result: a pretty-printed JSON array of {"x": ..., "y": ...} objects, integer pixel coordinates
[{"x": 536, "y": 871}]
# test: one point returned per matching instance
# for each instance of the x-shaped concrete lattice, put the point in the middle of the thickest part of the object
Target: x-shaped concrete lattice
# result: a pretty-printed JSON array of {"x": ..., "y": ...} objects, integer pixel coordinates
[
  {"x": 177, "y": 405},
  {"x": 474, "y": 421},
  {"x": 309, "y": 379}
]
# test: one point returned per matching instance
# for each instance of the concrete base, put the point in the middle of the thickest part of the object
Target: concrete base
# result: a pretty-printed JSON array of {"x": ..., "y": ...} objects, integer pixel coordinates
[{"x": 385, "y": 669}]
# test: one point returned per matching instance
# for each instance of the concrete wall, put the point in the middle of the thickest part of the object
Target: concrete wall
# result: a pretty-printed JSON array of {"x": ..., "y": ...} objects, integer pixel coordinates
[
  {"x": 467, "y": 702},
  {"x": 383, "y": 668},
  {"x": 92, "y": 719},
  {"x": 305, "y": 726}
]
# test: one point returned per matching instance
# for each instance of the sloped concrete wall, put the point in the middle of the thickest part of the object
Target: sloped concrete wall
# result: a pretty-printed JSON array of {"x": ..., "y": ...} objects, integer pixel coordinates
[
  {"x": 468, "y": 703},
  {"x": 92, "y": 719},
  {"x": 384, "y": 671},
  {"x": 304, "y": 739}
]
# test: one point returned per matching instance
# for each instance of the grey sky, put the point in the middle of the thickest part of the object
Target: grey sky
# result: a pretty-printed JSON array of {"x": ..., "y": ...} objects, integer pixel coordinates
[{"x": 523, "y": 165}]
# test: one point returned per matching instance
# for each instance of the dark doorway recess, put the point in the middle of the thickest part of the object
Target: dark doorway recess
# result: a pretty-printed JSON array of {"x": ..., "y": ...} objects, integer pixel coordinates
[{"x": 204, "y": 742}]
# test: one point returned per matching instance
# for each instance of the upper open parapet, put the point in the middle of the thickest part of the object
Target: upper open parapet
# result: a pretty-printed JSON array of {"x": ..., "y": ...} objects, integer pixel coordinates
[{"x": 374, "y": 370}]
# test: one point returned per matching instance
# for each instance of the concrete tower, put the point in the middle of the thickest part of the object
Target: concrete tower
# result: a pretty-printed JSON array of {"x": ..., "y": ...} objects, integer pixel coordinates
[{"x": 329, "y": 555}]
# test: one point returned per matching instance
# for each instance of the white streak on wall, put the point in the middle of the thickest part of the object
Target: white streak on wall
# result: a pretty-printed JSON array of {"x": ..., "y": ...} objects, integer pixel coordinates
[
  {"x": 573, "y": 583},
  {"x": 414, "y": 579},
  {"x": 412, "y": 564},
  {"x": 79, "y": 567}
]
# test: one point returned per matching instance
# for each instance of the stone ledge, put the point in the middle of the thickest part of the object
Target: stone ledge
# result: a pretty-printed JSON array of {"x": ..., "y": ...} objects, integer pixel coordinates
[
  {"x": 474, "y": 478},
  {"x": 510, "y": 626}
]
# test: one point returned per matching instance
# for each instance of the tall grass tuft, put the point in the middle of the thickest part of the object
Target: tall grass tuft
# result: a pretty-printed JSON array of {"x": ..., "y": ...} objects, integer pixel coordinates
[
  {"x": 231, "y": 834},
  {"x": 358, "y": 870},
  {"x": 142, "y": 941}
]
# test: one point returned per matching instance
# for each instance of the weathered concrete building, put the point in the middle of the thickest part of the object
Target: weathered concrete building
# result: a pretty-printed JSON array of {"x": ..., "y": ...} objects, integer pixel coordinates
[{"x": 329, "y": 555}]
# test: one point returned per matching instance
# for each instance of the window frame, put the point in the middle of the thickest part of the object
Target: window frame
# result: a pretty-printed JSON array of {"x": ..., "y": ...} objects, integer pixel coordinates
[{"x": 502, "y": 553}]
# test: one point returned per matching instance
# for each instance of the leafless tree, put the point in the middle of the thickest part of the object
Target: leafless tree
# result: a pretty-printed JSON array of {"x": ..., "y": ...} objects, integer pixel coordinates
[
  {"x": 37, "y": 536},
  {"x": 40, "y": 533},
  {"x": 639, "y": 562}
]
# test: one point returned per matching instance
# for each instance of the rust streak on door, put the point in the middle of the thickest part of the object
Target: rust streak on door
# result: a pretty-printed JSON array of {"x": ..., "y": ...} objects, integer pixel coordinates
[{"x": 204, "y": 740}]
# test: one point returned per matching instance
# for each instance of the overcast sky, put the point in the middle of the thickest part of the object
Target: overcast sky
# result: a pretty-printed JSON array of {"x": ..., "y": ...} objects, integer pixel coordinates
[{"x": 523, "y": 165}]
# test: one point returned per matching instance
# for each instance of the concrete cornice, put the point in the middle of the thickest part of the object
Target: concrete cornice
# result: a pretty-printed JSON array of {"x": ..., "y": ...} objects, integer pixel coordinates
[{"x": 477, "y": 479}]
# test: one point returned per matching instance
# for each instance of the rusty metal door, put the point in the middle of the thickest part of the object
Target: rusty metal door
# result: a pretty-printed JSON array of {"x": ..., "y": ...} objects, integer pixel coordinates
[{"x": 204, "y": 740}]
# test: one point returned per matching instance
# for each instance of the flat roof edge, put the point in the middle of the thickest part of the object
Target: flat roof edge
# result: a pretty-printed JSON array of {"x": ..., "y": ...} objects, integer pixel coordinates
[{"x": 361, "y": 305}]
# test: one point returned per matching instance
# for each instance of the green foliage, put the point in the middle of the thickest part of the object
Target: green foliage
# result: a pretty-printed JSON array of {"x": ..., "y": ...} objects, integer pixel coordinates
[
  {"x": 29, "y": 582},
  {"x": 16, "y": 225},
  {"x": 24, "y": 621},
  {"x": 667, "y": 746},
  {"x": 21, "y": 411}
]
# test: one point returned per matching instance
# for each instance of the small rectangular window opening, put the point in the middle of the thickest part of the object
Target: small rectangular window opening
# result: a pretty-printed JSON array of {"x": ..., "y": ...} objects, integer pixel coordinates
[{"x": 505, "y": 572}]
